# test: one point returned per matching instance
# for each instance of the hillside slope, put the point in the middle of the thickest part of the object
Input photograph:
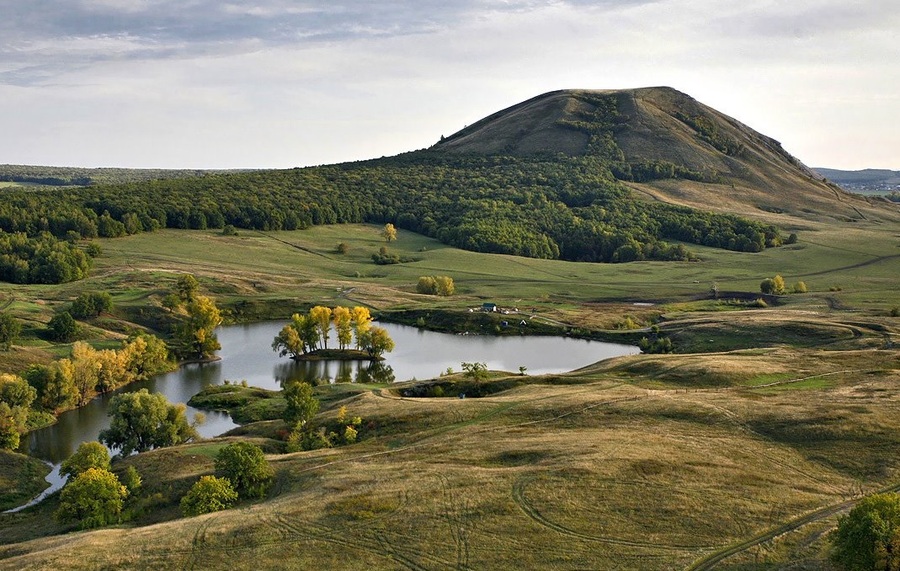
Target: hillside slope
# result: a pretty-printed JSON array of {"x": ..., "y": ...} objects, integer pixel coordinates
[{"x": 719, "y": 162}]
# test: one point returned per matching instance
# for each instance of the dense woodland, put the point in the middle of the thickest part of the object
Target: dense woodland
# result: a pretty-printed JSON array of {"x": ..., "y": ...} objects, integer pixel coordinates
[{"x": 571, "y": 208}]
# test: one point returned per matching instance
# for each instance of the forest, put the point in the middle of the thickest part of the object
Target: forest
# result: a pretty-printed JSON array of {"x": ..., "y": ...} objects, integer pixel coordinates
[{"x": 554, "y": 207}]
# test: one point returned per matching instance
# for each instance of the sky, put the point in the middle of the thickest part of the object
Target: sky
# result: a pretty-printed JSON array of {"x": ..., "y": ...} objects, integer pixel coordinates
[{"x": 281, "y": 83}]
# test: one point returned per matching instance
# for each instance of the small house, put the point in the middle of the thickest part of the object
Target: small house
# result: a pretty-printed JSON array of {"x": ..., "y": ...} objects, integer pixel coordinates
[{"x": 489, "y": 307}]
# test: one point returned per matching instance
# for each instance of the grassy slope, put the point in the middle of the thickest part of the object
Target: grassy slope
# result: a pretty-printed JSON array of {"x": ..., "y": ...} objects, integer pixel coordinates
[{"x": 644, "y": 462}]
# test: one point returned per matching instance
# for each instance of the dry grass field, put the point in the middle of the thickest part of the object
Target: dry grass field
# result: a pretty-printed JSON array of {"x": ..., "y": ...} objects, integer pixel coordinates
[{"x": 763, "y": 427}]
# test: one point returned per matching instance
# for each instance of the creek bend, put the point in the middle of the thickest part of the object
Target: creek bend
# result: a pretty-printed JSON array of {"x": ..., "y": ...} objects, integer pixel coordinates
[{"x": 246, "y": 354}]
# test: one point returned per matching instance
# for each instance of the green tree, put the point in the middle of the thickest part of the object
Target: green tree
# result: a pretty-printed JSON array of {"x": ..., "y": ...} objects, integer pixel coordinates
[
  {"x": 91, "y": 305},
  {"x": 209, "y": 494},
  {"x": 186, "y": 287},
  {"x": 15, "y": 391},
  {"x": 94, "y": 498},
  {"x": 142, "y": 421},
  {"x": 302, "y": 406},
  {"x": 800, "y": 287},
  {"x": 89, "y": 455},
  {"x": 62, "y": 327},
  {"x": 246, "y": 467},
  {"x": 476, "y": 372},
  {"x": 12, "y": 425},
  {"x": 389, "y": 233},
  {"x": 10, "y": 328},
  {"x": 868, "y": 538}
]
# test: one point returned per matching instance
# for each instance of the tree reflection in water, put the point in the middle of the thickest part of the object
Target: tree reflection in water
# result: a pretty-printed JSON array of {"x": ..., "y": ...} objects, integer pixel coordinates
[{"x": 330, "y": 372}]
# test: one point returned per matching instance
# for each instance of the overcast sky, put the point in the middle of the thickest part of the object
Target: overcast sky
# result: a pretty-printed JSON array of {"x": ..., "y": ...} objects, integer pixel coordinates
[{"x": 281, "y": 83}]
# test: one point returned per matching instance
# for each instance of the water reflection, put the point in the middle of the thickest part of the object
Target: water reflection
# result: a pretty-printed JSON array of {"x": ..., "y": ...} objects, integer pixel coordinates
[{"x": 325, "y": 372}]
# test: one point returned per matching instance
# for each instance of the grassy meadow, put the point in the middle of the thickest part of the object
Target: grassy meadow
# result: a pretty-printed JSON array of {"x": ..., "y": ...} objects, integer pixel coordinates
[{"x": 765, "y": 424}]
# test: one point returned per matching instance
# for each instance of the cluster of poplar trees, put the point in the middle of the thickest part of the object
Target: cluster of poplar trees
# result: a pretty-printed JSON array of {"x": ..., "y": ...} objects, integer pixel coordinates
[{"x": 310, "y": 332}]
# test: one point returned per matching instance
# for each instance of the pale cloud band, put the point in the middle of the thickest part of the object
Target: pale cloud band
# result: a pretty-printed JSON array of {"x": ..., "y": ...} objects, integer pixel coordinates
[{"x": 299, "y": 82}]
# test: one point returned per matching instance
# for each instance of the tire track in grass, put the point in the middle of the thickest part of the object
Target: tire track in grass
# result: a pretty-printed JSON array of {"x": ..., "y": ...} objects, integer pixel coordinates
[
  {"x": 379, "y": 543},
  {"x": 713, "y": 559},
  {"x": 518, "y": 493}
]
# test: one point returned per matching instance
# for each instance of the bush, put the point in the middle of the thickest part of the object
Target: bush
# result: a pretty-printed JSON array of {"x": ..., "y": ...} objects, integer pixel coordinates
[
  {"x": 209, "y": 494},
  {"x": 10, "y": 328},
  {"x": 91, "y": 305},
  {"x": 62, "y": 327},
  {"x": 245, "y": 465},
  {"x": 89, "y": 455},
  {"x": 94, "y": 498},
  {"x": 800, "y": 287}
]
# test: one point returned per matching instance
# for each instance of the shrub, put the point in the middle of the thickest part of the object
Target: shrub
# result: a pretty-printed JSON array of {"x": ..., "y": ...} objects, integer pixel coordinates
[
  {"x": 209, "y": 494},
  {"x": 89, "y": 455},
  {"x": 62, "y": 327},
  {"x": 94, "y": 498},
  {"x": 245, "y": 465},
  {"x": 800, "y": 287},
  {"x": 342, "y": 248},
  {"x": 10, "y": 328}
]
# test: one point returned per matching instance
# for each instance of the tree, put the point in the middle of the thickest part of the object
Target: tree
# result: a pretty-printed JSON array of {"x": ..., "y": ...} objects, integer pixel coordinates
[
  {"x": 321, "y": 316},
  {"x": 778, "y": 285},
  {"x": 12, "y": 425},
  {"x": 426, "y": 285},
  {"x": 869, "y": 536},
  {"x": 389, "y": 233},
  {"x": 444, "y": 285},
  {"x": 54, "y": 384},
  {"x": 91, "y": 305},
  {"x": 62, "y": 327},
  {"x": 288, "y": 342},
  {"x": 196, "y": 334},
  {"x": 245, "y": 465},
  {"x": 146, "y": 355},
  {"x": 89, "y": 455},
  {"x": 209, "y": 494},
  {"x": 10, "y": 328},
  {"x": 186, "y": 287},
  {"x": 343, "y": 325},
  {"x": 15, "y": 391},
  {"x": 142, "y": 421},
  {"x": 94, "y": 498},
  {"x": 361, "y": 322},
  {"x": 376, "y": 341},
  {"x": 302, "y": 406},
  {"x": 476, "y": 372},
  {"x": 342, "y": 248},
  {"x": 800, "y": 287}
]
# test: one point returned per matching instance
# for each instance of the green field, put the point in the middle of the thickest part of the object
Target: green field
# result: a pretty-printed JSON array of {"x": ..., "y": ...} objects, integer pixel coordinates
[{"x": 755, "y": 434}]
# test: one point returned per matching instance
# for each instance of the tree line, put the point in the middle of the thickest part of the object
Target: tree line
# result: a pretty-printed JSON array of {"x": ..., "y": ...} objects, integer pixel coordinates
[{"x": 573, "y": 208}]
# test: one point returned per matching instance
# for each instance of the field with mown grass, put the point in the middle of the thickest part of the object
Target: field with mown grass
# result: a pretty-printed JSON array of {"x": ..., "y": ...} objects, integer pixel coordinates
[{"x": 763, "y": 417}]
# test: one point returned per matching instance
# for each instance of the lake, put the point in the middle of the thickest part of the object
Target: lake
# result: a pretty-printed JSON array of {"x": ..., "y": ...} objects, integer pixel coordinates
[{"x": 246, "y": 354}]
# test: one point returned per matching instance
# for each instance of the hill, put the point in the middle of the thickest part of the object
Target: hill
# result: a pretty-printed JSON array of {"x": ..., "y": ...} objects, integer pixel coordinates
[
  {"x": 866, "y": 181},
  {"x": 669, "y": 146}
]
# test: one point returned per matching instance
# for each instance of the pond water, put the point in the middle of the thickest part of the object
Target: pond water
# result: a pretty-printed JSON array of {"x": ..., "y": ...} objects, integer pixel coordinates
[{"x": 246, "y": 354}]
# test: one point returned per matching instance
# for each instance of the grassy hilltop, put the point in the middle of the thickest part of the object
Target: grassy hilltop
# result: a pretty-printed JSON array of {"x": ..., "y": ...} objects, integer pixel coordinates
[{"x": 736, "y": 452}]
